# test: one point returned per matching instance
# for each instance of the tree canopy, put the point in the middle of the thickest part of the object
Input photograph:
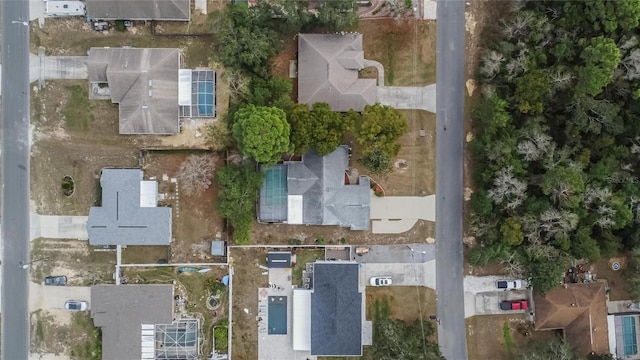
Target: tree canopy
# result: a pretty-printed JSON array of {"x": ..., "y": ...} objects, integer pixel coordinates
[
  {"x": 319, "y": 128},
  {"x": 557, "y": 145},
  {"x": 239, "y": 185},
  {"x": 380, "y": 127},
  {"x": 262, "y": 133}
]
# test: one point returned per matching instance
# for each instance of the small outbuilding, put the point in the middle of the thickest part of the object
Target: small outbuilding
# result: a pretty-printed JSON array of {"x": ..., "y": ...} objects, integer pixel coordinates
[
  {"x": 279, "y": 259},
  {"x": 218, "y": 248}
]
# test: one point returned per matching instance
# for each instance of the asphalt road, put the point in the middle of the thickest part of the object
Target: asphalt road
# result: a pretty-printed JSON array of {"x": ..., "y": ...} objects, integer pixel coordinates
[
  {"x": 449, "y": 178},
  {"x": 15, "y": 178}
]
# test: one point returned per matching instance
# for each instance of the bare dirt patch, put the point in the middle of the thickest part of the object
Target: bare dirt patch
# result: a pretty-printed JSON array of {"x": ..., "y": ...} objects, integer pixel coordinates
[
  {"x": 247, "y": 279},
  {"x": 82, "y": 264},
  {"x": 615, "y": 279},
  {"x": 501, "y": 337},
  {"x": 195, "y": 221},
  {"x": 406, "y": 48},
  {"x": 282, "y": 233},
  {"x": 77, "y": 339}
]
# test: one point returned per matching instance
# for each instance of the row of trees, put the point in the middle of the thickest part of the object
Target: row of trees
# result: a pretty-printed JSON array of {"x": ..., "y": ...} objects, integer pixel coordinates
[{"x": 557, "y": 138}]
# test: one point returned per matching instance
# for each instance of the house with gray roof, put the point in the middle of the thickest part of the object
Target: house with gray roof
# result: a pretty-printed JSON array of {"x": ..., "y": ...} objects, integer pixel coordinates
[
  {"x": 137, "y": 322},
  {"x": 143, "y": 82},
  {"x": 167, "y": 10},
  {"x": 328, "y": 66},
  {"x": 315, "y": 191},
  {"x": 129, "y": 214},
  {"x": 328, "y": 318}
]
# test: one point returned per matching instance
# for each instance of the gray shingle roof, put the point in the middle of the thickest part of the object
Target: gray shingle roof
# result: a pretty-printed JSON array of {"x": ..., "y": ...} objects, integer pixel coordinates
[
  {"x": 120, "y": 310},
  {"x": 326, "y": 199},
  {"x": 121, "y": 220},
  {"x": 336, "y": 310},
  {"x": 178, "y": 10},
  {"x": 328, "y": 66},
  {"x": 144, "y": 82}
]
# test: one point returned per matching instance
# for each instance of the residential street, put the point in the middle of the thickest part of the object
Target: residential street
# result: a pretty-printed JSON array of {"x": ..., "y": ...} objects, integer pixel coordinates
[
  {"x": 15, "y": 179},
  {"x": 449, "y": 178}
]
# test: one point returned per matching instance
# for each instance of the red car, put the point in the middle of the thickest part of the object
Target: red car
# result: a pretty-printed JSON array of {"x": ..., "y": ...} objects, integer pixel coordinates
[{"x": 514, "y": 305}]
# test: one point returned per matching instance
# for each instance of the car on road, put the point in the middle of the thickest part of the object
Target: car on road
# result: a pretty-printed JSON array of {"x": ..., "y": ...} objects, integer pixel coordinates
[
  {"x": 509, "y": 284},
  {"x": 380, "y": 281},
  {"x": 60, "y": 280},
  {"x": 514, "y": 305},
  {"x": 76, "y": 305}
]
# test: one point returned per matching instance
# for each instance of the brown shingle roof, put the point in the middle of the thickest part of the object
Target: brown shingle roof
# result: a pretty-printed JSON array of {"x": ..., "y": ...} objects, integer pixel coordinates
[{"x": 581, "y": 311}]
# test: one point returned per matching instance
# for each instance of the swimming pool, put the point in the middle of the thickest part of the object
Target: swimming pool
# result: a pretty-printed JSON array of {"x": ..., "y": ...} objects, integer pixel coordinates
[
  {"x": 629, "y": 334},
  {"x": 277, "y": 315},
  {"x": 273, "y": 194}
]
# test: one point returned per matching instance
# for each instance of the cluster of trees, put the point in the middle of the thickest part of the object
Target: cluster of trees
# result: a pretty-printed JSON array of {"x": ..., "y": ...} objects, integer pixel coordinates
[
  {"x": 239, "y": 186},
  {"x": 394, "y": 339},
  {"x": 246, "y": 38},
  {"x": 557, "y": 145}
]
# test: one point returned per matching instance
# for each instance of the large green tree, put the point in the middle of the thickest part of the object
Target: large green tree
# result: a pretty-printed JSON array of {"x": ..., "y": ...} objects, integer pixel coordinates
[
  {"x": 601, "y": 57},
  {"x": 320, "y": 128},
  {"x": 338, "y": 15},
  {"x": 262, "y": 133},
  {"x": 238, "y": 194},
  {"x": 380, "y": 127},
  {"x": 241, "y": 42}
]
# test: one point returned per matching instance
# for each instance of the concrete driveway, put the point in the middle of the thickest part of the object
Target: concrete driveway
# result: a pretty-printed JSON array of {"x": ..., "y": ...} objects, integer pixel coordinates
[
  {"x": 481, "y": 297},
  {"x": 54, "y": 297},
  {"x": 408, "y": 97},
  {"x": 58, "y": 227},
  {"x": 398, "y": 214},
  {"x": 43, "y": 68},
  {"x": 398, "y": 254},
  {"x": 402, "y": 274}
]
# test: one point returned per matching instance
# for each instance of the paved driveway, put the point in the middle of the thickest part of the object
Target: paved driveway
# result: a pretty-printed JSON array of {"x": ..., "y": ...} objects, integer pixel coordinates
[
  {"x": 54, "y": 297},
  {"x": 408, "y": 97},
  {"x": 397, "y": 214},
  {"x": 58, "y": 227},
  {"x": 481, "y": 297},
  {"x": 56, "y": 67},
  {"x": 398, "y": 254},
  {"x": 402, "y": 274}
]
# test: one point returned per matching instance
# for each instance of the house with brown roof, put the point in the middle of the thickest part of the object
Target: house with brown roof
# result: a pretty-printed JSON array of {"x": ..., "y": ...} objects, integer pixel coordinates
[
  {"x": 328, "y": 66},
  {"x": 580, "y": 311}
]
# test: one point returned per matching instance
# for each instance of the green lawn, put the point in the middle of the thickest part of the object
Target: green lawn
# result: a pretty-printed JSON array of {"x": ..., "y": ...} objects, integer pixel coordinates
[{"x": 77, "y": 111}]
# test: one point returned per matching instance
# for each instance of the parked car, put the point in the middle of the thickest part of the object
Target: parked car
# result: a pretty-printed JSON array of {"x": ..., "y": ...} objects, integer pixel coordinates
[
  {"x": 60, "y": 280},
  {"x": 380, "y": 281},
  {"x": 76, "y": 305},
  {"x": 509, "y": 284},
  {"x": 514, "y": 305}
]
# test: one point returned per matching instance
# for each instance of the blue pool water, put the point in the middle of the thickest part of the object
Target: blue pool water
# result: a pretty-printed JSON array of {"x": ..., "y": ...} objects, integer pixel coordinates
[
  {"x": 205, "y": 98},
  {"x": 277, "y": 315},
  {"x": 629, "y": 331}
]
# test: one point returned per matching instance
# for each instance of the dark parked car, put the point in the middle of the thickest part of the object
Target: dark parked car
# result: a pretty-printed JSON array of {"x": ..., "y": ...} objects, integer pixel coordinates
[
  {"x": 55, "y": 280},
  {"x": 514, "y": 305}
]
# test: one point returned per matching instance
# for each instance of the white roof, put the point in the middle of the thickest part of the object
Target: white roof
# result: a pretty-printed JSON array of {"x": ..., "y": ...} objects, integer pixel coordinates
[
  {"x": 148, "y": 194},
  {"x": 294, "y": 209},
  {"x": 65, "y": 8},
  {"x": 301, "y": 320},
  {"x": 611, "y": 326},
  {"x": 184, "y": 87}
]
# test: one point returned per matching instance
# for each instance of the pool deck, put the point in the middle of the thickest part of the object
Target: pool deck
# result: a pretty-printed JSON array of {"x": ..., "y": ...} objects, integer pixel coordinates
[{"x": 270, "y": 346}]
